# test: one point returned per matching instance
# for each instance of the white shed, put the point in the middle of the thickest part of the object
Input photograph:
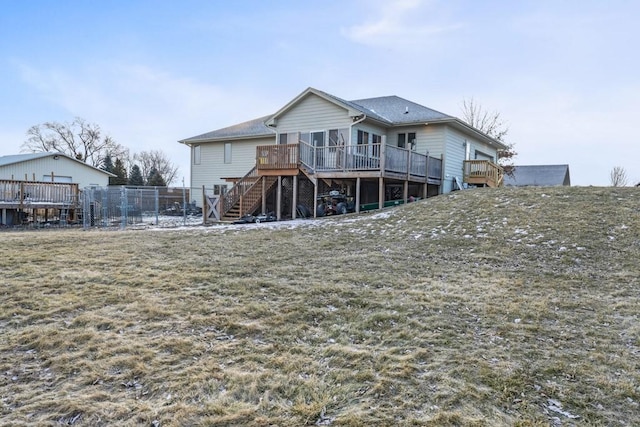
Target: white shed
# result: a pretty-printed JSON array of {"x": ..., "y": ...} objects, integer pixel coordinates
[{"x": 51, "y": 167}]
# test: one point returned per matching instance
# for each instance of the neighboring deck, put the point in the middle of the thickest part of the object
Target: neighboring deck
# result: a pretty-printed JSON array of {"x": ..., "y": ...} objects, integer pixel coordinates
[
  {"x": 483, "y": 172},
  {"x": 37, "y": 195}
]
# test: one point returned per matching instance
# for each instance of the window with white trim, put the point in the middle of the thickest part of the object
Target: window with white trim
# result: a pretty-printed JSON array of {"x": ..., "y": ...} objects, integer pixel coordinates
[
  {"x": 407, "y": 140},
  {"x": 196, "y": 154},
  {"x": 227, "y": 152}
]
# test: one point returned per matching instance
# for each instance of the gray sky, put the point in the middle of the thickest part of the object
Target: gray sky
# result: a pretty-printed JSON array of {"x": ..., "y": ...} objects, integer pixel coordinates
[{"x": 563, "y": 74}]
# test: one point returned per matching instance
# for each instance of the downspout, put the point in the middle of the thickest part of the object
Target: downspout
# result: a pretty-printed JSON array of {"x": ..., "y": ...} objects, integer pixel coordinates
[{"x": 364, "y": 117}]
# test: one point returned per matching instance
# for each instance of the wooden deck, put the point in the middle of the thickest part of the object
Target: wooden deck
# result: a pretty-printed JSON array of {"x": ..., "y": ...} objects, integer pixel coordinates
[
  {"x": 350, "y": 161},
  {"x": 323, "y": 166},
  {"x": 37, "y": 195},
  {"x": 483, "y": 172}
]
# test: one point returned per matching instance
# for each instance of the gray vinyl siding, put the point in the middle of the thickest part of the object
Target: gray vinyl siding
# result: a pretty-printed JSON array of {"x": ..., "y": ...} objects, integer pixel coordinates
[
  {"x": 367, "y": 127},
  {"x": 454, "y": 159},
  {"x": 429, "y": 139},
  {"x": 212, "y": 168},
  {"x": 37, "y": 169},
  {"x": 484, "y": 148},
  {"x": 313, "y": 113}
]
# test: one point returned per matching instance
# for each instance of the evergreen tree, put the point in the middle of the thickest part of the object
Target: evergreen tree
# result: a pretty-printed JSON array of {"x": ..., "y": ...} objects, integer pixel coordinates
[
  {"x": 155, "y": 179},
  {"x": 107, "y": 165},
  {"x": 121, "y": 174},
  {"x": 135, "y": 176}
]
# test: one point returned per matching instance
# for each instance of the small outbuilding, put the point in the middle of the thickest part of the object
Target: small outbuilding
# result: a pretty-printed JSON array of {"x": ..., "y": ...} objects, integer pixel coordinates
[
  {"x": 538, "y": 176},
  {"x": 52, "y": 167},
  {"x": 44, "y": 188}
]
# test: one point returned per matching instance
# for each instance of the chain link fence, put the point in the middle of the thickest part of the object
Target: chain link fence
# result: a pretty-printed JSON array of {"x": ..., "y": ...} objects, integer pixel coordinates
[{"x": 133, "y": 206}]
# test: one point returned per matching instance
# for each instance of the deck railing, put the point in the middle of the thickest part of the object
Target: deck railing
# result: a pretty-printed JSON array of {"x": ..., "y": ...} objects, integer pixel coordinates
[
  {"x": 348, "y": 158},
  {"x": 281, "y": 156},
  {"x": 483, "y": 172},
  {"x": 31, "y": 193},
  {"x": 235, "y": 194}
]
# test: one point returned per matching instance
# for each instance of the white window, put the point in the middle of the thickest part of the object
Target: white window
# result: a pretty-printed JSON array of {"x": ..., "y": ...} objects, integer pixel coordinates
[
  {"x": 288, "y": 138},
  {"x": 227, "y": 152},
  {"x": 338, "y": 137},
  {"x": 219, "y": 189},
  {"x": 196, "y": 154},
  {"x": 317, "y": 138},
  {"x": 407, "y": 140}
]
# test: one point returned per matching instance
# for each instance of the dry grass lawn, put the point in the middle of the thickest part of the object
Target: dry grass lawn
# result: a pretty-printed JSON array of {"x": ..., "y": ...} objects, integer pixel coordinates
[{"x": 484, "y": 307}]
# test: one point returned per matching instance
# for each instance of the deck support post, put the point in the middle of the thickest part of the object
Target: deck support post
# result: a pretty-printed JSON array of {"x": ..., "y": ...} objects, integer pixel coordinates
[
  {"x": 442, "y": 173},
  {"x": 406, "y": 192},
  {"x": 294, "y": 202},
  {"x": 4, "y": 216},
  {"x": 425, "y": 187},
  {"x": 315, "y": 199},
  {"x": 383, "y": 156},
  {"x": 358, "y": 195},
  {"x": 264, "y": 195},
  {"x": 279, "y": 199}
]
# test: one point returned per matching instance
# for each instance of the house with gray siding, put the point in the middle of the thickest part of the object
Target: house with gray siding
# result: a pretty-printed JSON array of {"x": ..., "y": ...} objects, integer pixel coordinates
[{"x": 376, "y": 151}]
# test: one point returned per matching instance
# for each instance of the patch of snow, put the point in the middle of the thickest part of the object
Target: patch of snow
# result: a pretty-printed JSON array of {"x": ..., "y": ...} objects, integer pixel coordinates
[{"x": 555, "y": 406}]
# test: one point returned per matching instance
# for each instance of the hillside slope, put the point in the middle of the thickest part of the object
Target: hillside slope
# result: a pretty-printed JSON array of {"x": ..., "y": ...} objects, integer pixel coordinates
[{"x": 483, "y": 307}]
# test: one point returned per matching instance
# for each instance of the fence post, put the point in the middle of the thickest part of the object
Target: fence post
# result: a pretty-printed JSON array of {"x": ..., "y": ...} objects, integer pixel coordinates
[
  {"x": 85, "y": 207},
  {"x": 157, "y": 194},
  {"x": 184, "y": 204},
  {"x": 425, "y": 191},
  {"x": 123, "y": 207},
  {"x": 204, "y": 206}
]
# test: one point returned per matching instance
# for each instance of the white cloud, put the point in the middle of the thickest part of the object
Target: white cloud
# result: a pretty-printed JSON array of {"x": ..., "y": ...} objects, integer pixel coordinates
[
  {"x": 400, "y": 25},
  {"x": 143, "y": 108}
]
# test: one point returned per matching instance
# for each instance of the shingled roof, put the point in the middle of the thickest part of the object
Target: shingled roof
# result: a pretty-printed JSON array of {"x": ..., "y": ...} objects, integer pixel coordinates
[
  {"x": 399, "y": 111},
  {"x": 251, "y": 129},
  {"x": 388, "y": 110},
  {"x": 538, "y": 175}
]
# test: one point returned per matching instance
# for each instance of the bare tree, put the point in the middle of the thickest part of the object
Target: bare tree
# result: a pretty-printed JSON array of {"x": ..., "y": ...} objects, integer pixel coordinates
[
  {"x": 79, "y": 139},
  {"x": 618, "y": 177},
  {"x": 158, "y": 160},
  {"x": 491, "y": 124}
]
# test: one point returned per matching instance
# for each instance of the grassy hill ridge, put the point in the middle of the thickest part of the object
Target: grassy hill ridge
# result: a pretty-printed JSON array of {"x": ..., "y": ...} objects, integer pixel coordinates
[{"x": 483, "y": 307}]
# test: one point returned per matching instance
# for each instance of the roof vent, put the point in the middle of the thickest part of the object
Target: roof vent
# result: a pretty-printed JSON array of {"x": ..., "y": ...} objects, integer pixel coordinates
[{"x": 406, "y": 110}]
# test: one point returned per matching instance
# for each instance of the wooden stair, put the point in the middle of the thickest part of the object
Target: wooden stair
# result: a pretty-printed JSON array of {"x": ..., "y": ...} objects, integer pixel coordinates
[{"x": 246, "y": 196}]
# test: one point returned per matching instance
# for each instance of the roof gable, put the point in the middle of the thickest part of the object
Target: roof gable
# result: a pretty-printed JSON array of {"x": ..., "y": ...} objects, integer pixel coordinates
[
  {"x": 20, "y": 158},
  {"x": 352, "y": 110}
]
